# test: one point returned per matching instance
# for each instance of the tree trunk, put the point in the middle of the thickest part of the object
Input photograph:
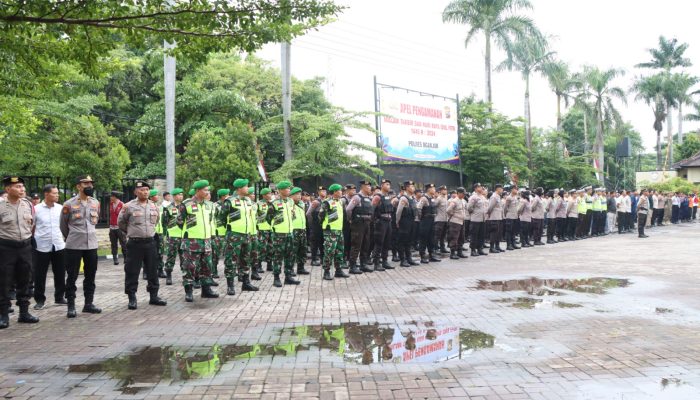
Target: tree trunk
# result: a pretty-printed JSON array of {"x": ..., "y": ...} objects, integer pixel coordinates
[
  {"x": 600, "y": 148},
  {"x": 287, "y": 100},
  {"x": 528, "y": 128},
  {"x": 585, "y": 132},
  {"x": 680, "y": 123},
  {"x": 558, "y": 112},
  {"x": 487, "y": 67},
  {"x": 669, "y": 130},
  {"x": 658, "y": 150}
]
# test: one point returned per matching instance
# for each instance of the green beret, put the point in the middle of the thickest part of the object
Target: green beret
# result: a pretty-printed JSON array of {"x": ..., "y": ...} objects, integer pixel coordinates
[
  {"x": 200, "y": 184},
  {"x": 223, "y": 192},
  {"x": 284, "y": 185},
  {"x": 239, "y": 183},
  {"x": 153, "y": 192},
  {"x": 264, "y": 191},
  {"x": 334, "y": 188},
  {"x": 251, "y": 190},
  {"x": 191, "y": 192},
  {"x": 295, "y": 190},
  {"x": 177, "y": 191}
]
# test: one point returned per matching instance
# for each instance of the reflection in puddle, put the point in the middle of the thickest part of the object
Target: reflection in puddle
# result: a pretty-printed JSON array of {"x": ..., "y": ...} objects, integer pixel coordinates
[
  {"x": 530, "y": 303},
  {"x": 542, "y": 287},
  {"x": 352, "y": 342}
]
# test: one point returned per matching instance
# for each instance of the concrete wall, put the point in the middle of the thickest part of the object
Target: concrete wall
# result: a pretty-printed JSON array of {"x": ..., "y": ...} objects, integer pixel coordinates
[{"x": 653, "y": 177}]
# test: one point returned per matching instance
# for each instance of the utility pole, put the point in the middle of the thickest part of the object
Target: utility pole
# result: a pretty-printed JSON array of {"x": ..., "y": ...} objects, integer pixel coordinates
[
  {"x": 287, "y": 99},
  {"x": 169, "y": 83}
]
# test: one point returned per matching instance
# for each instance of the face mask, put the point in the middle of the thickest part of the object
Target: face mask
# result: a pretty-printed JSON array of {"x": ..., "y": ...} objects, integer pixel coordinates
[{"x": 89, "y": 191}]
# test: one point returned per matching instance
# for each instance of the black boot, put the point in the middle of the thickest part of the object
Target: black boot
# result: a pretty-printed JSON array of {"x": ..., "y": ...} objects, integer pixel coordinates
[
  {"x": 386, "y": 265},
  {"x": 424, "y": 259},
  {"x": 354, "y": 269},
  {"x": 25, "y": 317},
  {"x": 315, "y": 262},
  {"x": 443, "y": 249},
  {"x": 482, "y": 252},
  {"x": 254, "y": 275},
  {"x": 365, "y": 268},
  {"x": 115, "y": 257},
  {"x": 301, "y": 270},
  {"x": 277, "y": 282},
  {"x": 404, "y": 262},
  {"x": 169, "y": 278},
  {"x": 492, "y": 249},
  {"x": 498, "y": 247},
  {"x": 269, "y": 267},
  {"x": 378, "y": 266},
  {"x": 247, "y": 286},
  {"x": 453, "y": 255},
  {"x": 89, "y": 307},
  {"x": 409, "y": 259},
  {"x": 156, "y": 301},
  {"x": 230, "y": 287},
  {"x": 395, "y": 258},
  {"x": 327, "y": 275},
  {"x": 188, "y": 294},
  {"x": 4, "y": 319},
  {"x": 433, "y": 258},
  {"x": 289, "y": 280},
  {"x": 197, "y": 284},
  {"x": 259, "y": 269},
  {"x": 460, "y": 254},
  {"x": 132, "y": 302},
  {"x": 214, "y": 283},
  {"x": 475, "y": 253},
  {"x": 161, "y": 273},
  {"x": 208, "y": 293},
  {"x": 339, "y": 273},
  {"x": 71, "y": 309}
]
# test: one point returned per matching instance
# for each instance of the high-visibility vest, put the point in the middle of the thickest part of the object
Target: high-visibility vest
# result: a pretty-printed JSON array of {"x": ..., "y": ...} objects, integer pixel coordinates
[
  {"x": 581, "y": 205},
  {"x": 589, "y": 202},
  {"x": 174, "y": 230},
  {"x": 240, "y": 218},
  {"x": 263, "y": 225},
  {"x": 299, "y": 221},
  {"x": 220, "y": 230},
  {"x": 336, "y": 209},
  {"x": 596, "y": 204},
  {"x": 199, "y": 220},
  {"x": 282, "y": 221}
]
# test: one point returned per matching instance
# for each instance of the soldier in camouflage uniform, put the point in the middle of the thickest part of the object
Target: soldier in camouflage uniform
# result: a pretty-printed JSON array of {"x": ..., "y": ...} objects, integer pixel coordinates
[
  {"x": 173, "y": 234},
  {"x": 255, "y": 244},
  {"x": 238, "y": 218},
  {"x": 219, "y": 242},
  {"x": 331, "y": 215},
  {"x": 299, "y": 233},
  {"x": 264, "y": 230},
  {"x": 196, "y": 218},
  {"x": 280, "y": 215}
]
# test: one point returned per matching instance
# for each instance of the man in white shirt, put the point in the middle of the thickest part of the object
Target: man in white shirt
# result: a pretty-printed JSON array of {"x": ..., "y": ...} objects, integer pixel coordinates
[{"x": 49, "y": 248}]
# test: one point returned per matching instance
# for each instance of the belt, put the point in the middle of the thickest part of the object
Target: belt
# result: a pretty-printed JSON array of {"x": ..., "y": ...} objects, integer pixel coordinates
[
  {"x": 140, "y": 240},
  {"x": 15, "y": 243}
]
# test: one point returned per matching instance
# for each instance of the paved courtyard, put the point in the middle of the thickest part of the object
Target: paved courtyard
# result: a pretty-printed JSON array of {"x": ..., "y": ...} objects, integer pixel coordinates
[{"x": 610, "y": 318}]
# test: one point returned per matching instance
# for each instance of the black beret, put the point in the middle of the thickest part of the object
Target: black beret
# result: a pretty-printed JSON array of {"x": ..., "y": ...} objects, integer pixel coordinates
[
  {"x": 142, "y": 184},
  {"x": 11, "y": 180}
]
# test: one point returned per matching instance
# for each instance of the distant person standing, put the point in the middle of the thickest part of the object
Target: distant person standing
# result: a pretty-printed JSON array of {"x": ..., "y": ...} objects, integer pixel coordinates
[
  {"x": 642, "y": 210},
  {"x": 116, "y": 235},
  {"x": 35, "y": 199},
  {"x": 675, "y": 208},
  {"x": 49, "y": 248}
]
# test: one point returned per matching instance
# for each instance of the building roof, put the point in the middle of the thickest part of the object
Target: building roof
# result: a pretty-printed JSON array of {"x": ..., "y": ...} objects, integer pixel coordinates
[{"x": 693, "y": 161}]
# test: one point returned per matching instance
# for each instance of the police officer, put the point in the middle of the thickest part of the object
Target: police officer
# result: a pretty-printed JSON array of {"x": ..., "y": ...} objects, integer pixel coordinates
[
  {"x": 139, "y": 219},
  {"x": 477, "y": 210},
  {"x": 537, "y": 210},
  {"x": 441, "y": 220},
  {"x": 427, "y": 210},
  {"x": 173, "y": 234},
  {"x": 350, "y": 191},
  {"x": 456, "y": 214},
  {"x": 237, "y": 216},
  {"x": 196, "y": 218},
  {"x": 359, "y": 216},
  {"x": 280, "y": 215},
  {"x": 331, "y": 215},
  {"x": 494, "y": 215},
  {"x": 511, "y": 215},
  {"x": 405, "y": 222},
  {"x": 383, "y": 210},
  {"x": 16, "y": 226},
  {"x": 78, "y": 219}
]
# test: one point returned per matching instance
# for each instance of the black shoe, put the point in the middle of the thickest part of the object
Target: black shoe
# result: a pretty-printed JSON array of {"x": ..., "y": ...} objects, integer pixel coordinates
[
  {"x": 71, "y": 309},
  {"x": 169, "y": 278},
  {"x": 550, "y": 242},
  {"x": 259, "y": 269},
  {"x": 116, "y": 261},
  {"x": 510, "y": 247},
  {"x": 247, "y": 286},
  {"x": 255, "y": 276},
  {"x": 643, "y": 236},
  {"x": 339, "y": 273},
  {"x": 461, "y": 254},
  {"x": 443, "y": 250},
  {"x": 197, "y": 285},
  {"x": 289, "y": 280},
  {"x": 539, "y": 244},
  {"x": 91, "y": 309},
  {"x": 475, "y": 253},
  {"x": 207, "y": 293},
  {"x": 188, "y": 294},
  {"x": 161, "y": 274},
  {"x": 316, "y": 262},
  {"x": 60, "y": 302},
  {"x": 433, "y": 258},
  {"x": 453, "y": 255},
  {"x": 277, "y": 282},
  {"x": 25, "y": 317},
  {"x": 366, "y": 268},
  {"x": 411, "y": 262},
  {"x": 327, "y": 275},
  {"x": 292, "y": 273},
  {"x": 482, "y": 252},
  {"x": 132, "y": 302},
  {"x": 404, "y": 263},
  {"x": 378, "y": 266},
  {"x": 39, "y": 306},
  {"x": 302, "y": 271},
  {"x": 492, "y": 250},
  {"x": 269, "y": 267},
  {"x": 355, "y": 270},
  {"x": 230, "y": 287},
  {"x": 395, "y": 259},
  {"x": 157, "y": 301},
  {"x": 386, "y": 265},
  {"x": 4, "y": 320}
]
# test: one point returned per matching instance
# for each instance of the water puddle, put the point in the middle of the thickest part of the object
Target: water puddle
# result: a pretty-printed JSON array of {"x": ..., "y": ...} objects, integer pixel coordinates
[
  {"x": 544, "y": 287},
  {"x": 351, "y": 343},
  {"x": 529, "y": 303}
]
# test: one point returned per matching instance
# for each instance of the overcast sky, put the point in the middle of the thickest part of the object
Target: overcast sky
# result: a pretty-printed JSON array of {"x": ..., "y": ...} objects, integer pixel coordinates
[{"x": 405, "y": 43}]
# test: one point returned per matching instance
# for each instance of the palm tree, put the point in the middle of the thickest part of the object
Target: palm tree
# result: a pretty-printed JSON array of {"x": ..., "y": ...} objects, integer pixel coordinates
[
  {"x": 600, "y": 89},
  {"x": 561, "y": 83},
  {"x": 651, "y": 91},
  {"x": 497, "y": 20},
  {"x": 527, "y": 55},
  {"x": 682, "y": 84},
  {"x": 695, "y": 115}
]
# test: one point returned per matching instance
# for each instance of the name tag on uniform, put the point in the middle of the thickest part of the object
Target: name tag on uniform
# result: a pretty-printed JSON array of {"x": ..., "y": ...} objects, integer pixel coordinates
[
  {"x": 194, "y": 208},
  {"x": 76, "y": 206}
]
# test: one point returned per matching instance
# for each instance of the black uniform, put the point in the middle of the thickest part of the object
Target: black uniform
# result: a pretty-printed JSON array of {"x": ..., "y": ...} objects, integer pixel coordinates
[
  {"x": 361, "y": 220},
  {"x": 426, "y": 228},
  {"x": 407, "y": 228},
  {"x": 384, "y": 214}
]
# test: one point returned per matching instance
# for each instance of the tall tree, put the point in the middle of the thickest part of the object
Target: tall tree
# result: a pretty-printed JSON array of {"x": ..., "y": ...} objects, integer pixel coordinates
[
  {"x": 682, "y": 84},
  {"x": 651, "y": 90},
  {"x": 561, "y": 83},
  {"x": 600, "y": 87},
  {"x": 527, "y": 55},
  {"x": 497, "y": 20}
]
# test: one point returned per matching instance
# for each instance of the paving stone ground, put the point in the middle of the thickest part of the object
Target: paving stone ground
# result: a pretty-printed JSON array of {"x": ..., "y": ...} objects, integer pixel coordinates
[{"x": 639, "y": 341}]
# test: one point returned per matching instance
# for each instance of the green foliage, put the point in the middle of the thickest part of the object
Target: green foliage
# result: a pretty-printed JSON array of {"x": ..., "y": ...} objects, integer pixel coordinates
[
  {"x": 690, "y": 146},
  {"x": 490, "y": 143},
  {"x": 672, "y": 185},
  {"x": 553, "y": 168}
]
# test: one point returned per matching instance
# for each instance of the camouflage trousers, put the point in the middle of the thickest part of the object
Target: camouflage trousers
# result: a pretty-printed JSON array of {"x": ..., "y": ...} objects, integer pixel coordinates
[
  {"x": 196, "y": 261},
  {"x": 299, "y": 246},
  {"x": 218, "y": 247},
  {"x": 238, "y": 254},
  {"x": 172, "y": 249},
  {"x": 160, "y": 250},
  {"x": 264, "y": 246},
  {"x": 333, "y": 249},
  {"x": 282, "y": 245}
]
